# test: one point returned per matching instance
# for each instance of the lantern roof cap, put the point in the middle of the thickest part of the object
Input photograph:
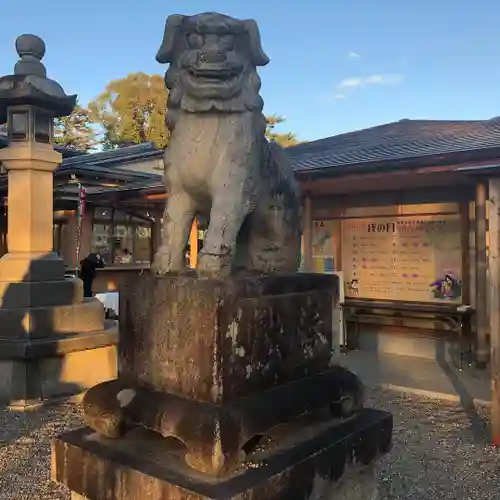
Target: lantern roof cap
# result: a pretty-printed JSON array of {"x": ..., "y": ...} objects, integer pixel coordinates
[{"x": 29, "y": 84}]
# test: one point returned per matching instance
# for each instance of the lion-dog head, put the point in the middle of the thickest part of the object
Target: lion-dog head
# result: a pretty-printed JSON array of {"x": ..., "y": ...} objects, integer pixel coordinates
[{"x": 213, "y": 60}]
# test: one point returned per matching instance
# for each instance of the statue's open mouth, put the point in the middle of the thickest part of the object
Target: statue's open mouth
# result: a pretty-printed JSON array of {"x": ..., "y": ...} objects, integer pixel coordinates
[{"x": 214, "y": 74}]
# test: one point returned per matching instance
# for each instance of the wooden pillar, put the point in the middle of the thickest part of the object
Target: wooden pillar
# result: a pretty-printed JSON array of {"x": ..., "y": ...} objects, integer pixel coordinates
[
  {"x": 193, "y": 244},
  {"x": 465, "y": 245},
  {"x": 482, "y": 352},
  {"x": 308, "y": 235},
  {"x": 3, "y": 229},
  {"x": 156, "y": 235},
  {"x": 68, "y": 242},
  {"x": 494, "y": 295},
  {"x": 87, "y": 232}
]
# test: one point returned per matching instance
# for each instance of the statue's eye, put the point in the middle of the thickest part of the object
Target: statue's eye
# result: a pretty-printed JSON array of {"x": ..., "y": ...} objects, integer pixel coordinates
[
  {"x": 227, "y": 42},
  {"x": 195, "y": 40}
]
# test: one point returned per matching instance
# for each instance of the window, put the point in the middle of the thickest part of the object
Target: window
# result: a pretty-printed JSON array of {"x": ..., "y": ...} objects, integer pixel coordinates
[
  {"x": 122, "y": 238},
  {"x": 142, "y": 244},
  {"x": 103, "y": 213},
  {"x": 102, "y": 242}
]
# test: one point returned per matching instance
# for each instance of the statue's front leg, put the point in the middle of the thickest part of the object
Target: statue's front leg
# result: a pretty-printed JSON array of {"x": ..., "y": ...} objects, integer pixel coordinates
[
  {"x": 227, "y": 215},
  {"x": 177, "y": 222}
]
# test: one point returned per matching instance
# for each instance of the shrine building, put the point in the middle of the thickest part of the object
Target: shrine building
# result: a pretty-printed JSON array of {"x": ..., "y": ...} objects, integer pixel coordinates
[{"x": 400, "y": 211}]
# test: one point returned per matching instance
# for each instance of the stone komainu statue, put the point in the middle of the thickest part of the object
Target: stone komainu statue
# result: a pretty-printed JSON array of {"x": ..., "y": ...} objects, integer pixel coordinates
[{"x": 218, "y": 163}]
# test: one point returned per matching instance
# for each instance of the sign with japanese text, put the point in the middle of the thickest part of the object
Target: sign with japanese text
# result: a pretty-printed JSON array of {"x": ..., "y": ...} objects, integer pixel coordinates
[{"x": 409, "y": 258}]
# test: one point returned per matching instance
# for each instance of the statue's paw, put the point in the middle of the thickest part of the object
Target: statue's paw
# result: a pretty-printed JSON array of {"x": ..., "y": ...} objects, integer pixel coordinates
[
  {"x": 103, "y": 408},
  {"x": 211, "y": 265},
  {"x": 162, "y": 262}
]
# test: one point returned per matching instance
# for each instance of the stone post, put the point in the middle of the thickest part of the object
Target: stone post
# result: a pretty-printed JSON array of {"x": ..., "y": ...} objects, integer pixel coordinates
[{"x": 41, "y": 312}]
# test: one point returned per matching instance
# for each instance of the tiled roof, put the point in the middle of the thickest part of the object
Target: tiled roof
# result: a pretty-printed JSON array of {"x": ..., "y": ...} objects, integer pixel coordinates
[
  {"x": 133, "y": 186},
  {"x": 89, "y": 170},
  {"x": 402, "y": 140},
  {"x": 114, "y": 156},
  {"x": 406, "y": 139},
  {"x": 104, "y": 163},
  {"x": 384, "y": 144},
  {"x": 150, "y": 186}
]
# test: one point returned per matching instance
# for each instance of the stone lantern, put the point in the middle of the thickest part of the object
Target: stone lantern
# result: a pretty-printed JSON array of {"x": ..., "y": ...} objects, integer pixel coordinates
[
  {"x": 42, "y": 313},
  {"x": 29, "y": 102}
]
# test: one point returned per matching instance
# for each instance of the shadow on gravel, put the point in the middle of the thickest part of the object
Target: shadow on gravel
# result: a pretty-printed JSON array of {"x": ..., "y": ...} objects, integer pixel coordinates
[{"x": 478, "y": 424}]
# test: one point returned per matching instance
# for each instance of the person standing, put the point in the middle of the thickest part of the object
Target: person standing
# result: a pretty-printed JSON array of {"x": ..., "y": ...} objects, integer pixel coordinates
[{"x": 88, "y": 270}]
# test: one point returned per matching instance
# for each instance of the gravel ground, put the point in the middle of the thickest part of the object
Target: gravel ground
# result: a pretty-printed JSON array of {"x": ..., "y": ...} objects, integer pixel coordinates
[
  {"x": 437, "y": 453},
  {"x": 25, "y": 451}
]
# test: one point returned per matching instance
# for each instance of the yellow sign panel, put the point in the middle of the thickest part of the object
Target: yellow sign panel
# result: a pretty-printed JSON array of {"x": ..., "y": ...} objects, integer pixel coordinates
[
  {"x": 409, "y": 258},
  {"x": 324, "y": 246}
]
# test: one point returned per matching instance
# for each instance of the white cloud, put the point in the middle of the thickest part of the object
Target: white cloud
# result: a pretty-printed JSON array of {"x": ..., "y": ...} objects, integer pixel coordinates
[
  {"x": 353, "y": 55},
  {"x": 339, "y": 96},
  {"x": 350, "y": 83},
  {"x": 356, "y": 82}
]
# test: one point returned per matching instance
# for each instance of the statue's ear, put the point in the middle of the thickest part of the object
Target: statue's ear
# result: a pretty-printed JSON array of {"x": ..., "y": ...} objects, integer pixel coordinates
[
  {"x": 172, "y": 28},
  {"x": 259, "y": 57}
]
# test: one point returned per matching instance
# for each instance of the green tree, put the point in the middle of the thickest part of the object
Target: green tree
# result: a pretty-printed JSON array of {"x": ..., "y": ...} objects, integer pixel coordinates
[
  {"x": 285, "y": 139},
  {"x": 75, "y": 130},
  {"x": 131, "y": 110}
]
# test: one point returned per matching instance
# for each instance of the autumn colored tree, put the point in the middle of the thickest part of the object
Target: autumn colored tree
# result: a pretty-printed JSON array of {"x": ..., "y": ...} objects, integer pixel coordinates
[
  {"x": 285, "y": 139},
  {"x": 131, "y": 110},
  {"x": 75, "y": 131}
]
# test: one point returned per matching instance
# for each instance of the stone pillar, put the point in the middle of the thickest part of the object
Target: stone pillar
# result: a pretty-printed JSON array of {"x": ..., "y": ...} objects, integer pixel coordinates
[{"x": 42, "y": 313}]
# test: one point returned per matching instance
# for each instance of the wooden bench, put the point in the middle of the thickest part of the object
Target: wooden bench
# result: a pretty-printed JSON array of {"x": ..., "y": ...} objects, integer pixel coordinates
[{"x": 457, "y": 317}]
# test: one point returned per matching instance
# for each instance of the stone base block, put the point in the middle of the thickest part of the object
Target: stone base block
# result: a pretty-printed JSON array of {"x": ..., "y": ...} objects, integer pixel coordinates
[
  {"x": 38, "y": 322},
  {"x": 220, "y": 340},
  {"x": 361, "y": 484},
  {"x": 307, "y": 462},
  {"x": 34, "y": 371},
  {"x": 15, "y": 266},
  {"x": 15, "y": 294}
]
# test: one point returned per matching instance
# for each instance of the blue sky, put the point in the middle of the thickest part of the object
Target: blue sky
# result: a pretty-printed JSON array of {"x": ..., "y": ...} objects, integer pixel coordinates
[{"x": 336, "y": 66}]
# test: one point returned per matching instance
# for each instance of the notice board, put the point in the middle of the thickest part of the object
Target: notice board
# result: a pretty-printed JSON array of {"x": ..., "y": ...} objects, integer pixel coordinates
[{"x": 407, "y": 258}]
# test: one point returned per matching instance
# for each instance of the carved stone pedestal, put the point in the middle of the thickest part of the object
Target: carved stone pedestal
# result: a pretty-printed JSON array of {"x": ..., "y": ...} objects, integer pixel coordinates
[
  {"x": 323, "y": 460},
  {"x": 225, "y": 390}
]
